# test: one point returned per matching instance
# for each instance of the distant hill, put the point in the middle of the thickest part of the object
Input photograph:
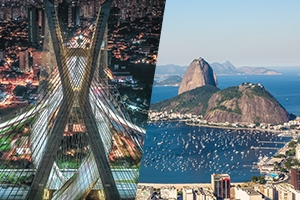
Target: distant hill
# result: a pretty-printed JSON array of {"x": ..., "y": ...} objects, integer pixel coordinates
[
  {"x": 246, "y": 103},
  {"x": 257, "y": 71},
  {"x": 170, "y": 70},
  {"x": 224, "y": 69},
  {"x": 170, "y": 80},
  {"x": 220, "y": 69}
]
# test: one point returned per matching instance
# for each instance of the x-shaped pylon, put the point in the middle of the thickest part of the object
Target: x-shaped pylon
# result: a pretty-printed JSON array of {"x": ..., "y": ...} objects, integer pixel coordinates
[{"x": 73, "y": 94}]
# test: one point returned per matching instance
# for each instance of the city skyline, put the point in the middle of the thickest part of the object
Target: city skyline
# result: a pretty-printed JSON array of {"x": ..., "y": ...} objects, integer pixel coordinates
[{"x": 256, "y": 34}]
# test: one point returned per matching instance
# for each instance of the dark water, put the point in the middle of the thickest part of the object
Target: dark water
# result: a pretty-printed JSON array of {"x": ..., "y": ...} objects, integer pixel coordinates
[{"x": 177, "y": 153}]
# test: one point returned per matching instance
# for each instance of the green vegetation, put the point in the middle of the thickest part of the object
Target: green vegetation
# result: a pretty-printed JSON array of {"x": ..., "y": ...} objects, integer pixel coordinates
[
  {"x": 230, "y": 93},
  {"x": 292, "y": 144},
  {"x": 288, "y": 159},
  {"x": 279, "y": 156},
  {"x": 12, "y": 178},
  {"x": 262, "y": 92},
  {"x": 227, "y": 95},
  {"x": 290, "y": 162},
  {"x": 5, "y": 142},
  {"x": 193, "y": 101},
  {"x": 256, "y": 121},
  {"x": 259, "y": 179},
  {"x": 237, "y": 110},
  {"x": 290, "y": 152},
  {"x": 68, "y": 164}
]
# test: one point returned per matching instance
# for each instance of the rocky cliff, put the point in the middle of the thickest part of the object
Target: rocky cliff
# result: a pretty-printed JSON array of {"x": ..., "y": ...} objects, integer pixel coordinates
[
  {"x": 246, "y": 103},
  {"x": 199, "y": 73}
]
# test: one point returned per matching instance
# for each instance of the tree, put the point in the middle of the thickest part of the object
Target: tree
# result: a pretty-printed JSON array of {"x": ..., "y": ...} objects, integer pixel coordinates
[
  {"x": 261, "y": 179},
  {"x": 254, "y": 178},
  {"x": 20, "y": 90}
]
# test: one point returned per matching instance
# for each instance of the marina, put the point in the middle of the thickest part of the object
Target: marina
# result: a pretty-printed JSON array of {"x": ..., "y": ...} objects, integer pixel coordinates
[
  {"x": 189, "y": 154},
  {"x": 177, "y": 153}
]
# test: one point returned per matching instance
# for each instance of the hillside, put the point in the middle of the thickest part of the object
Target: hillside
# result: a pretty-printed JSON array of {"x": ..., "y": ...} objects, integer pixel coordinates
[
  {"x": 246, "y": 103},
  {"x": 194, "y": 101}
]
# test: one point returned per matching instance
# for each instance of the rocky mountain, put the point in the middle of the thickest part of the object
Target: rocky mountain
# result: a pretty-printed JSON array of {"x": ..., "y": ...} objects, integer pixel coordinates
[
  {"x": 199, "y": 73},
  {"x": 246, "y": 103},
  {"x": 249, "y": 103},
  {"x": 169, "y": 80},
  {"x": 228, "y": 68},
  {"x": 194, "y": 101}
]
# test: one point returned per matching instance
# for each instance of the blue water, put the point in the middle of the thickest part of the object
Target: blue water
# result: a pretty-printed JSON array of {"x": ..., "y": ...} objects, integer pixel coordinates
[{"x": 177, "y": 153}]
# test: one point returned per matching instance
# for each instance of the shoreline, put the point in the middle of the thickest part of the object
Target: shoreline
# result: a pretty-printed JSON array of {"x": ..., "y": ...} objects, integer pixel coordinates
[
  {"x": 284, "y": 132},
  {"x": 181, "y": 185}
]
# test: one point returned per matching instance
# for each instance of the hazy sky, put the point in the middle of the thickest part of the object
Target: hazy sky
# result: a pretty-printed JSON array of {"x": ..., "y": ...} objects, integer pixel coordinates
[{"x": 247, "y": 33}]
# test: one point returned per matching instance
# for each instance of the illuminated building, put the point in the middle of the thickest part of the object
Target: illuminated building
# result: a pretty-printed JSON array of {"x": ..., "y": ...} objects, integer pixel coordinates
[
  {"x": 33, "y": 29},
  {"x": 23, "y": 61},
  {"x": 81, "y": 142}
]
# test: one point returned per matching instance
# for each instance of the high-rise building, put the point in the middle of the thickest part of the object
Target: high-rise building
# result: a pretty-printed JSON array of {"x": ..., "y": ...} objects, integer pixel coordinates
[
  {"x": 41, "y": 21},
  {"x": 247, "y": 193},
  {"x": 144, "y": 192},
  {"x": 33, "y": 29},
  {"x": 23, "y": 60},
  {"x": 73, "y": 14},
  {"x": 204, "y": 194},
  {"x": 295, "y": 177},
  {"x": 168, "y": 192},
  {"x": 187, "y": 193},
  {"x": 220, "y": 184},
  {"x": 63, "y": 10}
]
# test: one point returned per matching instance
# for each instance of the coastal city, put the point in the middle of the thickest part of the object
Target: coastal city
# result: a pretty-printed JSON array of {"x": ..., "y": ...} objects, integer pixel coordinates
[
  {"x": 278, "y": 174},
  {"x": 290, "y": 127},
  {"x": 279, "y": 177},
  {"x": 129, "y": 46},
  {"x": 279, "y": 180}
]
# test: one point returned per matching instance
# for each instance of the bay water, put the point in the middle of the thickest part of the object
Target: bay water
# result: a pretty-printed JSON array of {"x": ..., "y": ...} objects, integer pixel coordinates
[{"x": 177, "y": 153}]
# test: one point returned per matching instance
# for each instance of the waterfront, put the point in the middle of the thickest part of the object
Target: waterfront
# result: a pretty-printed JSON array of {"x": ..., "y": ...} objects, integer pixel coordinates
[{"x": 177, "y": 153}]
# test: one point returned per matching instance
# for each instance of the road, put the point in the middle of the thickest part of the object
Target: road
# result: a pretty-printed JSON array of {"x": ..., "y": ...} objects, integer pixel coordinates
[{"x": 126, "y": 190}]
